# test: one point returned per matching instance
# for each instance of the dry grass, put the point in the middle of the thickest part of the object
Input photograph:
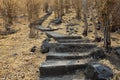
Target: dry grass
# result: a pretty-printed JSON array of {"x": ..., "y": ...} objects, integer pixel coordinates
[{"x": 24, "y": 66}]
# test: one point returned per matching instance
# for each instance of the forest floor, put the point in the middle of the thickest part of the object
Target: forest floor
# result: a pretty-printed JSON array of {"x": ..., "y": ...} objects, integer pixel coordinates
[{"x": 16, "y": 62}]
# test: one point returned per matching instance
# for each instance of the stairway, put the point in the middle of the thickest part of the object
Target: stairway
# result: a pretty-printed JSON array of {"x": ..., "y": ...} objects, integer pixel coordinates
[{"x": 66, "y": 61}]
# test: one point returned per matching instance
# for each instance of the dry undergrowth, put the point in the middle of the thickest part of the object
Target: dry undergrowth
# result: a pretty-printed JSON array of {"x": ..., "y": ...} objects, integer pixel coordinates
[{"x": 16, "y": 62}]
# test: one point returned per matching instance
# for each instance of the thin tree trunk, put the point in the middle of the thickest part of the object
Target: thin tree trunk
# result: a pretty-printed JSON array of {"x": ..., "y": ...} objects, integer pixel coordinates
[
  {"x": 85, "y": 33},
  {"x": 94, "y": 22},
  {"x": 107, "y": 39}
]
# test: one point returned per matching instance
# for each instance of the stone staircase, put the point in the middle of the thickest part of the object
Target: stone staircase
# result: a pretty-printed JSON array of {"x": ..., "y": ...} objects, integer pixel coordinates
[{"x": 66, "y": 60}]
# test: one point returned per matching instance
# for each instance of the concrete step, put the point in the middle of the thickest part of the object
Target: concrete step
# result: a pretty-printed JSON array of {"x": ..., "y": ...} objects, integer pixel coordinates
[
  {"x": 74, "y": 76},
  {"x": 58, "y": 67},
  {"x": 77, "y": 44},
  {"x": 74, "y": 47},
  {"x": 67, "y": 56},
  {"x": 58, "y": 36},
  {"x": 71, "y": 47},
  {"x": 45, "y": 29},
  {"x": 73, "y": 40}
]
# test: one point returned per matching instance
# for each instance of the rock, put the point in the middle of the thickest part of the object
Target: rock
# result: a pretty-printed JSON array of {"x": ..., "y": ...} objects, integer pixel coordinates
[
  {"x": 45, "y": 46},
  {"x": 33, "y": 49},
  {"x": 97, "y": 70},
  {"x": 117, "y": 51},
  {"x": 98, "y": 53}
]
